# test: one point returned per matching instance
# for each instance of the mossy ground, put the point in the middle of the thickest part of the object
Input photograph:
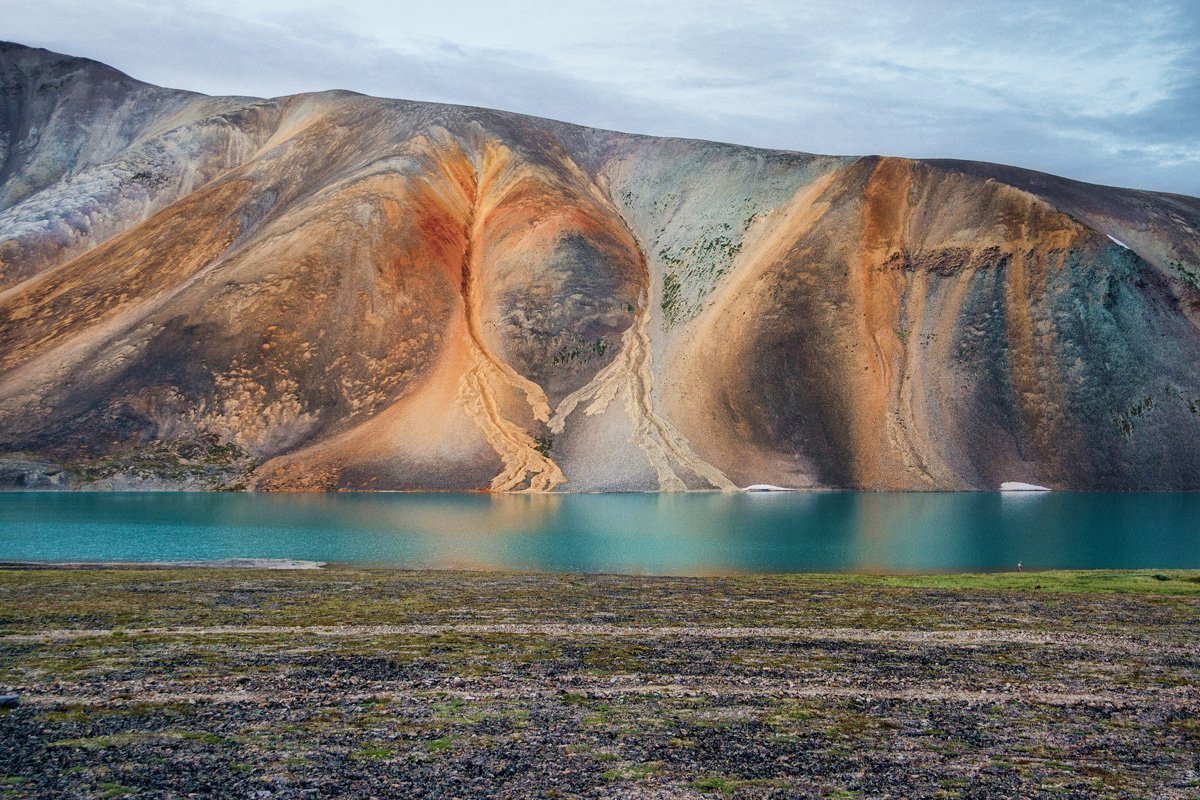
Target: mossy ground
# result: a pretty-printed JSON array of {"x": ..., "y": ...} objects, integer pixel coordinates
[{"x": 525, "y": 685}]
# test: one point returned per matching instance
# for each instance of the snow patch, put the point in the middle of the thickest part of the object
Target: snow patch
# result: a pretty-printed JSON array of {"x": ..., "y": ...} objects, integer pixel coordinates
[
  {"x": 766, "y": 487},
  {"x": 1118, "y": 241},
  {"x": 1017, "y": 486}
]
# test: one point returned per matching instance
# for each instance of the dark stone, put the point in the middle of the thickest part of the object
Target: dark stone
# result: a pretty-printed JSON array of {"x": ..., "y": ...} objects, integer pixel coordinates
[{"x": 20, "y": 473}]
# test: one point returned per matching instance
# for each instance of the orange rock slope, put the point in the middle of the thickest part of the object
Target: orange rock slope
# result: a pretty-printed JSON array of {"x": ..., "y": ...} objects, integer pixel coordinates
[{"x": 338, "y": 291}]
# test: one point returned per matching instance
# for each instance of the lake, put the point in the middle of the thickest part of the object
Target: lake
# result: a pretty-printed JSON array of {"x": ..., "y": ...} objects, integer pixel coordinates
[{"x": 688, "y": 534}]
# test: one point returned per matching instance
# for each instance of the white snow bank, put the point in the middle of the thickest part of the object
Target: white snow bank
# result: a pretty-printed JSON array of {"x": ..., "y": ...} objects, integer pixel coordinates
[
  {"x": 766, "y": 487},
  {"x": 1118, "y": 241},
  {"x": 1017, "y": 486}
]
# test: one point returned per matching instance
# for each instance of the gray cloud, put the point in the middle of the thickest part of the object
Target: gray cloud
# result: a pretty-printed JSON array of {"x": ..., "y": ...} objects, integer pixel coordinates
[{"x": 1100, "y": 90}]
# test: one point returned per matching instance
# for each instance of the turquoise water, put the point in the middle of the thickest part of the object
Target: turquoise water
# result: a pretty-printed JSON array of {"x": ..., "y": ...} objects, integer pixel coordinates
[{"x": 634, "y": 533}]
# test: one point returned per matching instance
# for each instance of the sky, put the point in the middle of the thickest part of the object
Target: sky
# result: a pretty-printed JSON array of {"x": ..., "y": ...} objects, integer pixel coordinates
[{"x": 1106, "y": 91}]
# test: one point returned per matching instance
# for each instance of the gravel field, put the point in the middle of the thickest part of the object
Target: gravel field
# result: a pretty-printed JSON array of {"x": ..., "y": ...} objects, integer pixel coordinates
[{"x": 340, "y": 682}]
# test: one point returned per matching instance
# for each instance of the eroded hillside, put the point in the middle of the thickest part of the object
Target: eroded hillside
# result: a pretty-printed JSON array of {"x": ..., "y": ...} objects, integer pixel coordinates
[{"x": 338, "y": 291}]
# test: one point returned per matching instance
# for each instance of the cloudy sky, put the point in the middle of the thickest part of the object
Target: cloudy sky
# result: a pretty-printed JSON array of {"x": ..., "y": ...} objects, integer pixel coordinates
[{"x": 1100, "y": 90}]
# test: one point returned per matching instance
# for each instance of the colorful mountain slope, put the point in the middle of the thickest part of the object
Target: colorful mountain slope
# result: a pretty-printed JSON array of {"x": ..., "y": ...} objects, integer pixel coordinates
[{"x": 338, "y": 291}]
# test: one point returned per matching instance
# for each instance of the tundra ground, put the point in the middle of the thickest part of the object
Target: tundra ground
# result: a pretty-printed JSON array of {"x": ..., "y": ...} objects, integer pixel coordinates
[{"x": 356, "y": 683}]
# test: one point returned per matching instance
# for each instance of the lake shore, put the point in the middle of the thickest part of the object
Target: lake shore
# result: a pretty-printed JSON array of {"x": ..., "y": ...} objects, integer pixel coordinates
[{"x": 341, "y": 682}]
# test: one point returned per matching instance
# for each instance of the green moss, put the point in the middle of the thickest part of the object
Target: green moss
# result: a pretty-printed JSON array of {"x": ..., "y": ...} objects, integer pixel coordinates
[
  {"x": 715, "y": 785},
  {"x": 70, "y": 715},
  {"x": 670, "y": 297},
  {"x": 1179, "y": 582},
  {"x": 577, "y": 349},
  {"x": 373, "y": 752},
  {"x": 696, "y": 266},
  {"x": 1190, "y": 277}
]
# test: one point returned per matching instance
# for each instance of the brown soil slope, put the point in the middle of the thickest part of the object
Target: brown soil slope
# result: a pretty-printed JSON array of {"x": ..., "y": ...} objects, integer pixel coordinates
[{"x": 333, "y": 290}]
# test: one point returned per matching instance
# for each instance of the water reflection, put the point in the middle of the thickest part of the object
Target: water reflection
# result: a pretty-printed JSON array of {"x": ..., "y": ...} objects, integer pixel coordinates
[{"x": 637, "y": 533}]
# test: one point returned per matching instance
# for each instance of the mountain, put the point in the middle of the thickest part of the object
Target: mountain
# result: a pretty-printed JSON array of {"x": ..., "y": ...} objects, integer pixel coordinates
[{"x": 338, "y": 291}]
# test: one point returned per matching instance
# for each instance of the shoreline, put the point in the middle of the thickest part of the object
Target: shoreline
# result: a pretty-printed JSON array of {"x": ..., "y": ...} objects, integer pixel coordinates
[
  {"x": 1168, "y": 582},
  {"x": 1144, "y": 580},
  {"x": 217, "y": 563}
]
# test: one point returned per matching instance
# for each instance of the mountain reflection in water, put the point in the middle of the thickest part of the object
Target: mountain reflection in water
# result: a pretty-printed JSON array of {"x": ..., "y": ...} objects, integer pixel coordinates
[{"x": 688, "y": 534}]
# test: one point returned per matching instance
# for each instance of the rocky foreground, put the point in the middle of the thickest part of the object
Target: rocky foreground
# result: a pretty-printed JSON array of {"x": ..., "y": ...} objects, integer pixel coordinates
[{"x": 346, "y": 683}]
